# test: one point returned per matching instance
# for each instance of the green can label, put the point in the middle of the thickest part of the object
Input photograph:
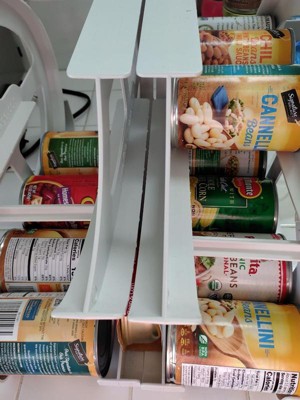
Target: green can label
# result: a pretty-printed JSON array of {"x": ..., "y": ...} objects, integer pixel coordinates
[{"x": 240, "y": 204}]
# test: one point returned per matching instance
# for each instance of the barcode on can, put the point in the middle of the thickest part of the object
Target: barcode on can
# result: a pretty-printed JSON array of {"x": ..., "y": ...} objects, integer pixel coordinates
[
  {"x": 256, "y": 380},
  {"x": 10, "y": 315}
]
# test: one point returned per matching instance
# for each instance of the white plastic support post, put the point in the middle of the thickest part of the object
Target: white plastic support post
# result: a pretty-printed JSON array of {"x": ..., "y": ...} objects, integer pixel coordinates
[
  {"x": 169, "y": 51},
  {"x": 103, "y": 275}
]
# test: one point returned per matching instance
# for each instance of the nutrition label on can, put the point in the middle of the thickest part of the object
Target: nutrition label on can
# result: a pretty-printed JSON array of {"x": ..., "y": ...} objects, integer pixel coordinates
[
  {"x": 268, "y": 381},
  {"x": 41, "y": 259}
]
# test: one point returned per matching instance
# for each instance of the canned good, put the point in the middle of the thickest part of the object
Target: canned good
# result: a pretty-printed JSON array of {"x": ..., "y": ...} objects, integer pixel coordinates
[
  {"x": 251, "y": 346},
  {"x": 228, "y": 163},
  {"x": 69, "y": 153},
  {"x": 262, "y": 46},
  {"x": 238, "y": 107},
  {"x": 240, "y": 204},
  {"x": 35, "y": 343},
  {"x": 247, "y": 22},
  {"x": 33, "y": 295},
  {"x": 241, "y": 6},
  {"x": 138, "y": 336},
  {"x": 59, "y": 189},
  {"x": 243, "y": 279},
  {"x": 39, "y": 261}
]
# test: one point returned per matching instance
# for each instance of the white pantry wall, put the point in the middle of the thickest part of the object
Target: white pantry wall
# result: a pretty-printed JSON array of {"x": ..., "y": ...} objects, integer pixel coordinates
[{"x": 63, "y": 20}]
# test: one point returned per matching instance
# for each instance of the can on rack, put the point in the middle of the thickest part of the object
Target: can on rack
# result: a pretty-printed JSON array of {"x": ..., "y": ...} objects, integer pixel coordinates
[
  {"x": 261, "y": 46},
  {"x": 69, "y": 153},
  {"x": 59, "y": 189},
  {"x": 232, "y": 278},
  {"x": 241, "y": 6},
  {"x": 39, "y": 260},
  {"x": 34, "y": 343},
  {"x": 238, "y": 107},
  {"x": 228, "y": 163},
  {"x": 240, "y": 204},
  {"x": 138, "y": 336},
  {"x": 240, "y": 345},
  {"x": 246, "y": 22}
]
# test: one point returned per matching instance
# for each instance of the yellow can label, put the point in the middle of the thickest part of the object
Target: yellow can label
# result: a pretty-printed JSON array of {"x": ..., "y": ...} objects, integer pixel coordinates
[
  {"x": 247, "y": 47},
  {"x": 240, "y": 107},
  {"x": 35, "y": 343},
  {"x": 240, "y": 345}
]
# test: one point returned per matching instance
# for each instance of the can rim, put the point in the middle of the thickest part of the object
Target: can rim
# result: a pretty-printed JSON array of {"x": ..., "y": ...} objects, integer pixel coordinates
[
  {"x": 262, "y": 167},
  {"x": 276, "y": 205},
  {"x": 174, "y": 114},
  {"x": 171, "y": 354},
  {"x": 289, "y": 280},
  {"x": 103, "y": 345}
]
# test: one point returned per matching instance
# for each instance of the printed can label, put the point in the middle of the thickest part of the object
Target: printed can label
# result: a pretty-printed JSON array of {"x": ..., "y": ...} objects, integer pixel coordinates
[
  {"x": 237, "y": 204},
  {"x": 34, "y": 343},
  {"x": 239, "y": 107},
  {"x": 240, "y": 345},
  {"x": 247, "y": 47},
  {"x": 70, "y": 153},
  {"x": 245, "y": 22},
  {"x": 227, "y": 163},
  {"x": 60, "y": 189},
  {"x": 243, "y": 279}
]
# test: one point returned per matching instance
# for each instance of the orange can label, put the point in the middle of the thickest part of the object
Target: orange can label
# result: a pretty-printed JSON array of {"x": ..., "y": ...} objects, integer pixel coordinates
[
  {"x": 240, "y": 345},
  {"x": 36, "y": 343},
  {"x": 247, "y": 47},
  {"x": 239, "y": 107}
]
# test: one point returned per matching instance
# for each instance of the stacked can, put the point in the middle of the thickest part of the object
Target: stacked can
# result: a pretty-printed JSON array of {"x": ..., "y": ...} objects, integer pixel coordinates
[
  {"x": 240, "y": 345},
  {"x": 34, "y": 343}
]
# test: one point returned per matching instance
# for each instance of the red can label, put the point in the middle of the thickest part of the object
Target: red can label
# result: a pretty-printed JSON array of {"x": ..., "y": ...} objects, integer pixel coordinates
[{"x": 60, "y": 189}]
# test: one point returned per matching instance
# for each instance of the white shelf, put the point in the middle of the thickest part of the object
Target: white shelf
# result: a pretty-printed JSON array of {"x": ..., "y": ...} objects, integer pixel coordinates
[{"x": 106, "y": 45}]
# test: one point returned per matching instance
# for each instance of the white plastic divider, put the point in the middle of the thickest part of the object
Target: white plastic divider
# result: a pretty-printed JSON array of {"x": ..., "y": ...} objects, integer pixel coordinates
[
  {"x": 171, "y": 50},
  {"x": 103, "y": 275}
]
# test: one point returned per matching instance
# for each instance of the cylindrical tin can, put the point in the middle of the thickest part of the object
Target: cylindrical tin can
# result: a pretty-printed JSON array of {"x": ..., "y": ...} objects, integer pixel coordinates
[
  {"x": 58, "y": 296},
  {"x": 240, "y": 345},
  {"x": 275, "y": 236},
  {"x": 259, "y": 46},
  {"x": 241, "y": 204},
  {"x": 59, "y": 189},
  {"x": 138, "y": 336},
  {"x": 69, "y": 153},
  {"x": 41, "y": 261},
  {"x": 32, "y": 342},
  {"x": 238, "y": 107},
  {"x": 233, "y": 278},
  {"x": 228, "y": 163},
  {"x": 247, "y": 22},
  {"x": 242, "y": 6}
]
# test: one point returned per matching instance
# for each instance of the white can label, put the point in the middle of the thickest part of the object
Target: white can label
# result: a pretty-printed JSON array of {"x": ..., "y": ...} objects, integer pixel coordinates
[
  {"x": 237, "y": 278},
  {"x": 256, "y": 380},
  {"x": 41, "y": 259}
]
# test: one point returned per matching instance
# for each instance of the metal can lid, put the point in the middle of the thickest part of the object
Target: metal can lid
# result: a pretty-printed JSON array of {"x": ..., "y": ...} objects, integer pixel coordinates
[
  {"x": 262, "y": 165},
  {"x": 174, "y": 115},
  {"x": 171, "y": 354},
  {"x": 276, "y": 206},
  {"x": 103, "y": 346},
  {"x": 289, "y": 281}
]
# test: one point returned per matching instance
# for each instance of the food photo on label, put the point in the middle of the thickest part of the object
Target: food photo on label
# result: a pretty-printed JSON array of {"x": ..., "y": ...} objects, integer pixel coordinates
[
  {"x": 243, "y": 279},
  {"x": 221, "y": 47},
  {"x": 240, "y": 204},
  {"x": 238, "y": 107},
  {"x": 240, "y": 345},
  {"x": 62, "y": 190}
]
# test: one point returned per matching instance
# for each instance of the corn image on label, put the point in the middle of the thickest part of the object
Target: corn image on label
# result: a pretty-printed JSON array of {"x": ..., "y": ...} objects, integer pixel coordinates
[
  {"x": 238, "y": 204},
  {"x": 250, "y": 346},
  {"x": 239, "y": 107}
]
